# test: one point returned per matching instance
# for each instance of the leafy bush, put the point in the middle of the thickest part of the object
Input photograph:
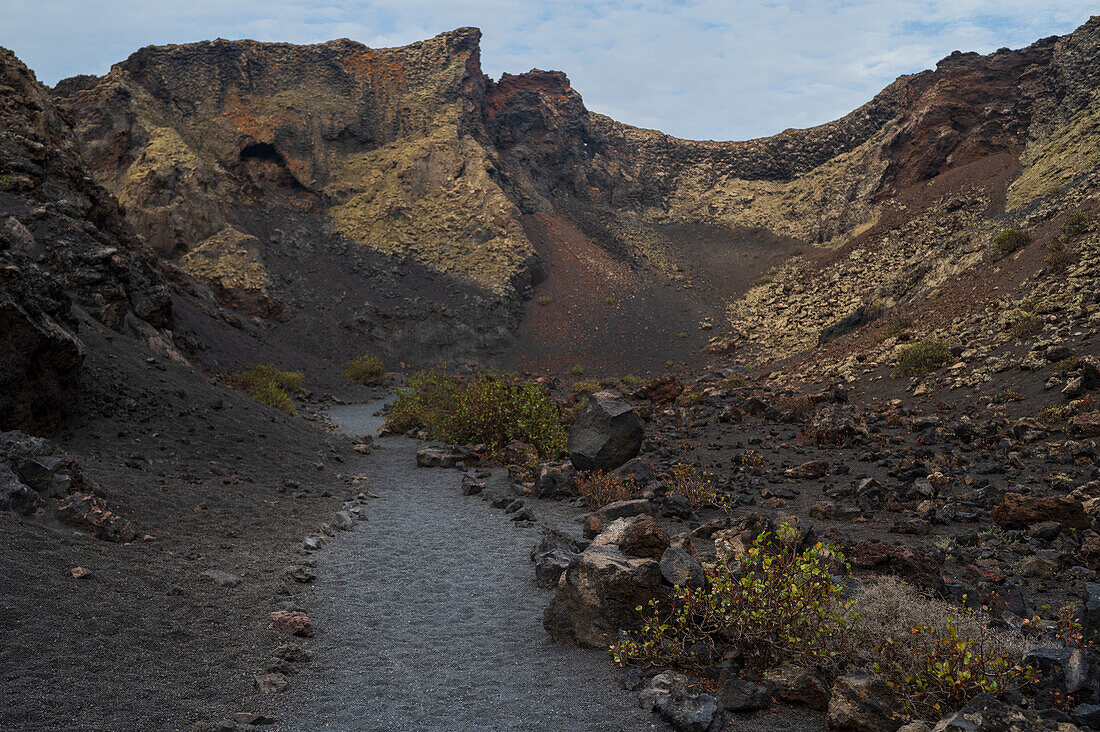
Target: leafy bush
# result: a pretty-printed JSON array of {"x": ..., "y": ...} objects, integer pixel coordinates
[
  {"x": 684, "y": 480},
  {"x": 1025, "y": 326},
  {"x": 778, "y": 604},
  {"x": 577, "y": 370},
  {"x": 270, "y": 385},
  {"x": 490, "y": 409},
  {"x": 599, "y": 489},
  {"x": 1009, "y": 241},
  {"x": 633, "y": 380},
  {"x": 273, "y": 396},
  {"x": 366, "y": 369},
  {"x": 922, "y": 357}
]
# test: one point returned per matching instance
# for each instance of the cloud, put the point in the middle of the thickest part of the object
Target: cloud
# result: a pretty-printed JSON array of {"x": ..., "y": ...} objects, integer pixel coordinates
[{"x": 722, "y": 69}]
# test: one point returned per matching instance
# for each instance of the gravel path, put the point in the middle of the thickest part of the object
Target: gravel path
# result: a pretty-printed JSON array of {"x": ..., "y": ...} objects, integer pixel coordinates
[{"x": 428, "y": 618}]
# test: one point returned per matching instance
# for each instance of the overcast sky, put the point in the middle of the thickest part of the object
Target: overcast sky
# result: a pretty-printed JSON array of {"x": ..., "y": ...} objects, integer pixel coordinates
[{"x": 717, "y": 69}]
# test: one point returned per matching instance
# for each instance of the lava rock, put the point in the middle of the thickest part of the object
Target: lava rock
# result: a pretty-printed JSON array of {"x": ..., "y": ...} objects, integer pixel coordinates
[
  {"x": 293, "y": 622},
  {"x": 605, "y": 435},
  {"x": 680, "y": 569},
  {"x": 554, "y": 480},
  {"x": 738, "y": 695},
  {"x": 860, "y": 703},
  {"x": 554, "y": 553},
  {"x": 597, "y": 596}
]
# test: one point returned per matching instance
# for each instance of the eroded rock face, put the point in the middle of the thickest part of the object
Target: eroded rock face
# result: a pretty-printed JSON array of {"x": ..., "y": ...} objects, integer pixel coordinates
[
  {"x": 63, "y": 241},
  {"x": 605, "y": 435},
  {"x": 40, "y": 357}
]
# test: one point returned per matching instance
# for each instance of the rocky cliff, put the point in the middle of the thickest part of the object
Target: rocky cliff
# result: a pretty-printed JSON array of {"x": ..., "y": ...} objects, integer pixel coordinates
[
  {"x": 252, "y": 162},
  {"x": 64, "y": 243}
]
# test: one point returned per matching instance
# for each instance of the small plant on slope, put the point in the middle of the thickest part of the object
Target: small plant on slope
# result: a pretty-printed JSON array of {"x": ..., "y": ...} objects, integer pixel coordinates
[
  {"x": 367, "y": 370},
  {"x": 921, "y": 357},
  {"x": 270, "y": 385}
]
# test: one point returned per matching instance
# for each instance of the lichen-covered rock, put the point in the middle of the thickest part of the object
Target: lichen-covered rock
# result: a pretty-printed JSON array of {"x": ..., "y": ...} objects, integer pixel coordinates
[
  {"x": 597, "y": 596},
  {"x": 605, "y": 435}
]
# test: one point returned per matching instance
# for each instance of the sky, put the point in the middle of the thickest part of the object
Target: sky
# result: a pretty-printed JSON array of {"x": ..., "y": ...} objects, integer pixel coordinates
[{"x": 698, "y": 69}]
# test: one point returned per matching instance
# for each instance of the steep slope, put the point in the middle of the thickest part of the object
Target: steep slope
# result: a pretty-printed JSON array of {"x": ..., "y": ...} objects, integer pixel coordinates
[{"x": 63, "y": 242}]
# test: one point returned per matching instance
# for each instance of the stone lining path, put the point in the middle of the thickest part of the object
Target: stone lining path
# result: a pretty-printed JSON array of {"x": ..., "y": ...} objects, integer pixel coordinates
[{"x": 428, "y": 618}]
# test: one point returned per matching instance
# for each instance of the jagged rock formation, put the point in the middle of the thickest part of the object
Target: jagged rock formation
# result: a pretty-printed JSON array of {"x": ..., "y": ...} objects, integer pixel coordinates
[
  {"x": 414, "y": 154},
  {"x": 63, "y": 242}
]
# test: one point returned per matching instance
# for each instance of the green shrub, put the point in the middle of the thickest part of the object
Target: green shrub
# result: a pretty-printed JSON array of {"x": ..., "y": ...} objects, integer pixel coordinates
[
  {"x": 545, "y": 300},
  {"x": 922, "y": 357},
  {"x": 586, "y": 385},
  {"x": 1009, "y": 241},
  {"x": 489, "y": 409},
  {"x": 599, "y": 489},
  {"x": 273, "y": 396},
  {"x": 1025, "y": 326},
  {"x": 366, "y": 369},
  {"x": 1060, "y": 256},
  {"x": 684, "y": 480},
  {"x": 256, "y": 374},
  {"x": 953, "y": 669},
  {"x": 633, "y": 380},
  {"x": 270, "y": 385},
  {"x": 1076, "y": 224},
  {"x": 935, "y": 656},
  {"x": 777, "y": 604},
  {"x": 577, "y": 370}
]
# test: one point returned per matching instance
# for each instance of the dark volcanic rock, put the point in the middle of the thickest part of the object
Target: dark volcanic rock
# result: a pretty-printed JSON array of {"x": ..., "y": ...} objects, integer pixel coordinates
[
  {"x": 598, "y": 594},
  {"x": 860, "y": 703},
  {"x": 606, "y": 434},
  {"x": 554, "y": 553}
]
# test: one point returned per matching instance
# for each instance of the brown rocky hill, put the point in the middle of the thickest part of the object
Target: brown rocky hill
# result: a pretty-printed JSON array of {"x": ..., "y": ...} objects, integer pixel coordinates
[{"x": 348, "y": 190}]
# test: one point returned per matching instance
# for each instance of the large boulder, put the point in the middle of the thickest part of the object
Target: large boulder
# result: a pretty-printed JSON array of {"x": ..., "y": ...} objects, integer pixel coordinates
[
  {"x": 606, "y": 434},
  {"x": 598, "y": 595},
  {"x": 1017, "y": 511}
]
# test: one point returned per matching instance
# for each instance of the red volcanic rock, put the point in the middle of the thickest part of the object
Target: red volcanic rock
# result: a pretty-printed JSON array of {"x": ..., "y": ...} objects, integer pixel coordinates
[
  {"x": 1017, "y": 511},
  {"x": 644, "y": 538},
  {"x": 295, "y": 623},
  {"x": 663, "y": 389}
]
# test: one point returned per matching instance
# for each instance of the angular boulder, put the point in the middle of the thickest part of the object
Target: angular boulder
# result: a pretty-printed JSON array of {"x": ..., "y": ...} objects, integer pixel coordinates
[
  {"x": 598, "y": 595},
  {"x": 554, "y": 480},
  {"x": 554, "y": 553},
  {"x": 606, "y": 434},
  {"x": 644, "y": 537}
]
